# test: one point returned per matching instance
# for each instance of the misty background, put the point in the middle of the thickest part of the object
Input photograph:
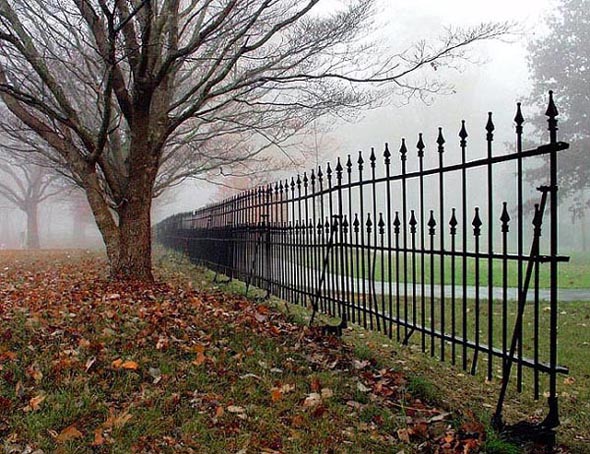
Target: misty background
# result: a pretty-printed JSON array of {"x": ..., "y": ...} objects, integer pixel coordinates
[{"x": 496, "y": 77}]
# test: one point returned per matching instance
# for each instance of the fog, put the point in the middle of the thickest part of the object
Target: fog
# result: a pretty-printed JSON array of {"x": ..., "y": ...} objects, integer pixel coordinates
[{"x": 494, "y": 80}]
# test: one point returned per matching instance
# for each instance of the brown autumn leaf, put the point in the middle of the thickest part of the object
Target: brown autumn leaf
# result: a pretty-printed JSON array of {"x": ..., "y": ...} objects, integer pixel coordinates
[
  {"x": 312, "y": 400},
  {"x": 98, "y": 437},
  {"x": 130, "y": 365},
  {"x": 315, "y": 385},
  {"x": 116, "y": 421},
  {"x": 404, "y": 435},
  {"x": 69, "y": 433},
  {"x": 275, "y": 394},
  {"x": 35, "y": 402},
  {"x": 120, "y": 364},
  {"x": 200, "y": 359},
  {"x": 34, "y": 372}
]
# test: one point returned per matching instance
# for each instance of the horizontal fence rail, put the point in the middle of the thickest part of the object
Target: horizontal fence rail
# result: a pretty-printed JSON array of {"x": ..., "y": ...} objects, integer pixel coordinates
[{"x": 449, "y": 257}]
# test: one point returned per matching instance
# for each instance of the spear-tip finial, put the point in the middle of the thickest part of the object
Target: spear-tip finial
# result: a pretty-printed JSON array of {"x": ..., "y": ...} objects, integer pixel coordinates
[
  {"x": 381, "y": 224},
  {"x": 518, "y": 118},
  {"x": 476, "y": 223},
  {"x": 420, "y": 145},
  {"x": 373, "y": 158},
  {"x": 339, "y": 168},
  {"x": 551, "y": 108},
  {"x": 403, "y": 149},
  {"x": 387, "y": 154},
  {"x": 440, "y": 140},
  {"x": 396, "y": 223},
  {"x": 463, "y": 132},
  {"x": 413, "y": 222},
  {"x": 349, "y": 164},
  {"x": 431, "y": 223},
  {"x": 505, "y": 217},
  {"x": 490, "y": 124},
  {"x": 453, "y": 222}
]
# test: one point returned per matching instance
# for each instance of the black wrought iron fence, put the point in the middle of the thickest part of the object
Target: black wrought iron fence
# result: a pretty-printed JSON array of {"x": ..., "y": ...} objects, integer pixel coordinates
[{"x": 446, "y": 256}]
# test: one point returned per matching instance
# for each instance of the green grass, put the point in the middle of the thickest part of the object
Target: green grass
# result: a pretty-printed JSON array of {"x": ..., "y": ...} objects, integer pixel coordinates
[
  {"x": 443, "y": 382},
  {"x": 574, "y": 274},
  {"x": 61, "y": 332}
]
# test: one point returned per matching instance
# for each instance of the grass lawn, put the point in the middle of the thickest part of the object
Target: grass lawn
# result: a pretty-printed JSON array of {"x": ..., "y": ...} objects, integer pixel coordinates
[
  {"x": 574, "y": 274},
  {"x": 90, "y": 366},
  {"x": 475, "y": 395}
]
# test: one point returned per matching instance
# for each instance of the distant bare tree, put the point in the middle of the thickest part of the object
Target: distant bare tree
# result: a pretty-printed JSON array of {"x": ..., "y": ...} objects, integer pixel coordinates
[
  {"x": 135, "y": 95},
  {"x": 26, "y": 185}
]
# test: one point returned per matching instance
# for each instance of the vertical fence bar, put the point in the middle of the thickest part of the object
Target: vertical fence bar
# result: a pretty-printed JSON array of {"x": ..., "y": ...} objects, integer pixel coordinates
[
  {"x": 381, "y": 226},
  {"x": 360, "y": 163},
  {"x": 353, "y": 271},
  {"x": 476, "y": 223},
  {"x": 463, "y": 144},
  {"x": 341, "y": 271},
  {"x": 552, "y": 419},
  {"x": 403, "y": 156},
  {"x": 505, "y": 219},
  {"x": 372, "y": 265},
  {"x": 387, "y": 162},
  {"x": 420, "y": 146},
  {"x": 413, "y": 223},
  {"x": 396, "y": 230},
  {"x": 520, "y": 233},
  {"x": 441, "y": 201},
  {"x": 489, "y": 138},
  {"x": 453, "y": 232}
]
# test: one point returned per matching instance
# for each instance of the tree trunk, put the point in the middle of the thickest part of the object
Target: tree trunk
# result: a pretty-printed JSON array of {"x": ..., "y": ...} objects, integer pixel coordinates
[
  {"x": 134, "y": 261},
  {"x": 32, "y": 226}
]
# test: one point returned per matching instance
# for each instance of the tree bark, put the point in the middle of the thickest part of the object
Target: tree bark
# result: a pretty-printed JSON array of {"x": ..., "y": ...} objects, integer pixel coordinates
[
  {"x": 31, "y": 209},
  {"x": 134, "y": 260}
]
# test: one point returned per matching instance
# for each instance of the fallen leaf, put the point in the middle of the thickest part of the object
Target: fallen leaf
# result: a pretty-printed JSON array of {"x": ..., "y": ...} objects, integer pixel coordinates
[
  {"x": 315, "y": 385},
  {"x": 362, "y": 388},
  {"x": 116, "y": 422},
  {"x": 200, "y": 359},
  {"x": 35, "y": 402},
  {"x": 236, "y": 409},
  {"x": 130, "y": 365},
  {"x": 312, "y": 400},
  {"x": 89, "y": 363},
  {"x": 156, "y": 374},
  {"x": 34, "y": 372},
  {"x": 275, "y": 394},
  {"x": 69, "y": 433},
  {"x": 403, "y": 435},
  {"x": 326, "y": 393},
  {"x": 98, "y": 438},
  {"x": 120, "y": 364}
]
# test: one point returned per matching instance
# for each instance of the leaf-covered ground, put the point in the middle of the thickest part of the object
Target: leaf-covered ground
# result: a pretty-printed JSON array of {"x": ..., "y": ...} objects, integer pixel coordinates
[{"x": 91, "y": 366}]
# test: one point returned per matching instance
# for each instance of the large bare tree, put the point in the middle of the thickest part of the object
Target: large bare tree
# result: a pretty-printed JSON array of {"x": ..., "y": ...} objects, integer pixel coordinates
[{"x": 134, "y": 95}]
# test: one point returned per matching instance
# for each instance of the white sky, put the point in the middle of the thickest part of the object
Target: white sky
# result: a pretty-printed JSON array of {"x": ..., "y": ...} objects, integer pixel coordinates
[{"x": 494, "y": 85}]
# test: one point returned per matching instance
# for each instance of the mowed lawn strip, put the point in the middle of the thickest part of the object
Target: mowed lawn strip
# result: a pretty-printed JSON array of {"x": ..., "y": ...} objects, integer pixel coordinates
[{"x": 87, "y": 365}]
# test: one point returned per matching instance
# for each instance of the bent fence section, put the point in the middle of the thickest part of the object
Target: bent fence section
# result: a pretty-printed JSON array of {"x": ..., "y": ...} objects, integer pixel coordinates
[{"x": 421, "y": 247}]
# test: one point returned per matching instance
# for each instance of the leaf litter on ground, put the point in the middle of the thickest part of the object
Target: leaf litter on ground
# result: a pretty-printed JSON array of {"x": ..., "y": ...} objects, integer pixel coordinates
[{"x": 168, "y": 368}]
